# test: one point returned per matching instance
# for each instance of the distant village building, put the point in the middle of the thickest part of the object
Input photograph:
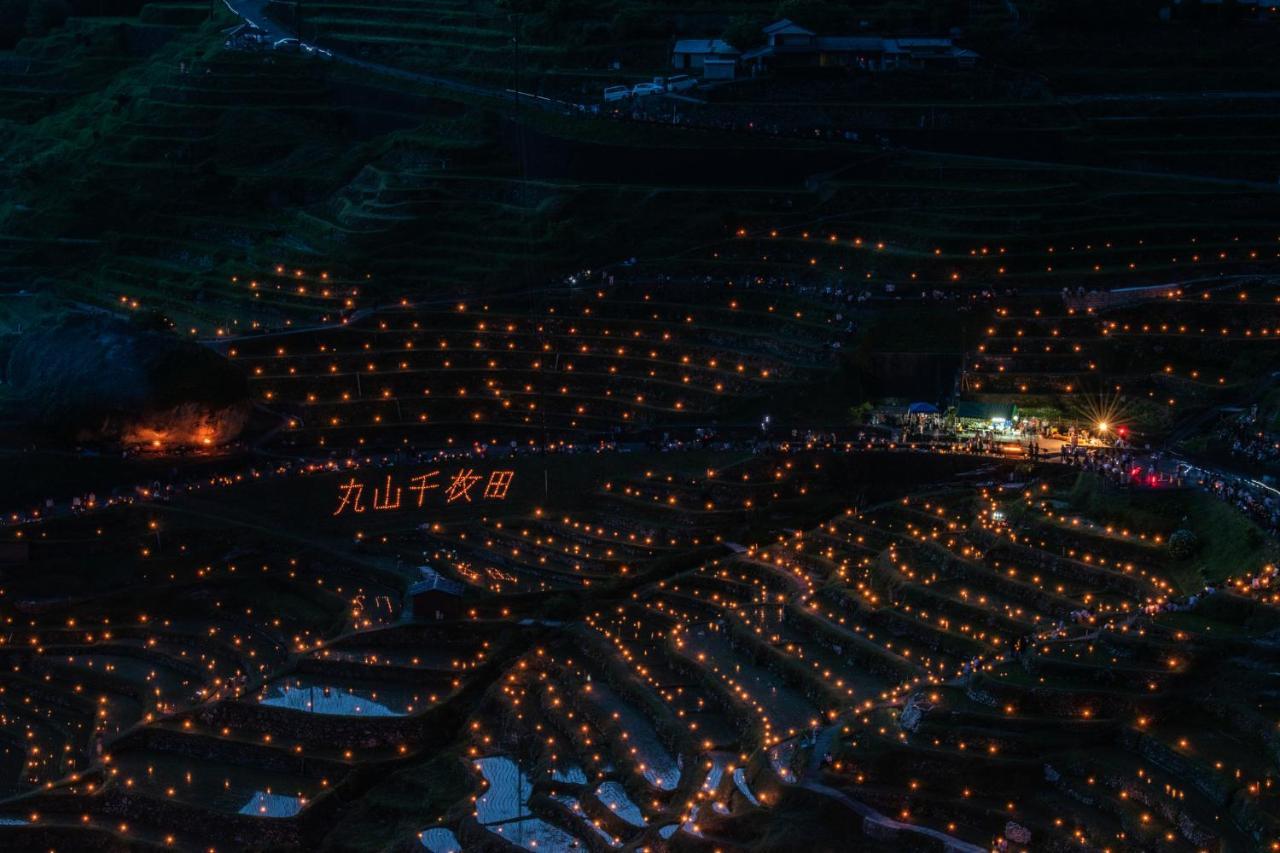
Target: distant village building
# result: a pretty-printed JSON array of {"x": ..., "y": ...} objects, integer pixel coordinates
[
  {"x": 928, "y": 52},
  {"x": 1242, "y": 10},
  {"x": 720, "y": 68},
  {"x": 435, "y": 596},
  {"x": 715, "y": 58},
  {"x": 789, "y": 47}
]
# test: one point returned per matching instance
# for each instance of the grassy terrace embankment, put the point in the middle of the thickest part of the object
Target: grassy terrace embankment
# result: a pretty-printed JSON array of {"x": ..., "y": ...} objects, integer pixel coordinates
[{"x": 172, "y": 181}]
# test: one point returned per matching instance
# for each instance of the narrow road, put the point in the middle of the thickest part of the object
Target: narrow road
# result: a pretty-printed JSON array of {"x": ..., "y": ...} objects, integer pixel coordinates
[
  {"x": 1153, "y": 97},
  {"x": 1066, "y": 165},
  {"x": 254, "y": 12},
  {"x": 874, "y": 823}
]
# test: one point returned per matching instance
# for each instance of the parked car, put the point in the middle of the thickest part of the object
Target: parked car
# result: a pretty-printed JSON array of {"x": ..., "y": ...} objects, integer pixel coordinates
[
  {"x": 642, "y": 89},
  {"x": 681, "y": 83},
  {"x": 287, "y": 45},
  {"x": 616, "y": 93}
]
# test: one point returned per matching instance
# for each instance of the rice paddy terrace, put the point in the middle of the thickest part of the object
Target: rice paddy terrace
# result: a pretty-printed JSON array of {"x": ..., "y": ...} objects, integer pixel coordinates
[
  {"x": 588, "y": 361},
  {"x": 164, "y": 172},
  {"x": 555, "y": 529},
  {"x": 686, "y": 651},
  {"x": 1158, "y": 359}
]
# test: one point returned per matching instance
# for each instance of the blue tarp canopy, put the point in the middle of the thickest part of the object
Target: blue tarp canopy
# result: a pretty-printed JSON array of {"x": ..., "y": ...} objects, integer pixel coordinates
[{"x": 922, "y": 409}]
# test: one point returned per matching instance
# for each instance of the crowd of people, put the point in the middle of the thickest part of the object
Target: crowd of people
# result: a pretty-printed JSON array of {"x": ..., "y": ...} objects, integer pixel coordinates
[
  {"x": 1249, "y": 439},
  {"x": 1118, "y": 464},
  {"x": 922, "y": 431},
  {"x": 1256, "y": 500}
]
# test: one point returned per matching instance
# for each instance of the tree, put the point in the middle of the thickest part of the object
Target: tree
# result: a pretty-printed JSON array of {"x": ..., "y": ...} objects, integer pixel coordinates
[
  {"x": 817, "y": 15},
  {"x": 13, "y": 22},
  {"x": 1183, "y": 543},
  {"x": 1095, "y": 14},
  {"x": 46, "y": 15},
  {"x": 744, "y": 32},
  {"x": 632, "y": 23}
]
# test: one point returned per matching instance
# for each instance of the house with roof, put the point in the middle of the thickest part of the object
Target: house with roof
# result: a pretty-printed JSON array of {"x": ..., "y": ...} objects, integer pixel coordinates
[
  {"x": 930, "y": 52},
  {"x": 789, "y": 46},
  {"x": 715, "y": 58},
  {"x": 435, "y": 596}
]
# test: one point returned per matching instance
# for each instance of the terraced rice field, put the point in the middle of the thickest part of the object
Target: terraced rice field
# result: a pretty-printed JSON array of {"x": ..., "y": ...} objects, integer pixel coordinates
[
  {"x": 674, "y": 598},
  {"x": 588, "y": 362},
  {"x": 943, "y": 643}
]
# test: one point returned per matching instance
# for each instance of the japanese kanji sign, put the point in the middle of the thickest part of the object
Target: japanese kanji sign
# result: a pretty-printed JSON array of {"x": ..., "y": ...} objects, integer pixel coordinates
[{"x": 463, "y": 486}]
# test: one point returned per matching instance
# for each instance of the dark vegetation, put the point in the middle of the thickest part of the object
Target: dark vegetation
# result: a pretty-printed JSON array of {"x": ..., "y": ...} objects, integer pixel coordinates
[
  {"x": 140, "y": 164},
  {"x": 1206, "y": 538},
  {"x": 95, "y": 378}
]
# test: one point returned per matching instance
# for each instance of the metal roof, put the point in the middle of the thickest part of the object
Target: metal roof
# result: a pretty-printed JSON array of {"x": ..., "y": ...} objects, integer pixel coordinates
[
  {"x": 710, "y": 46},
  {"x": 786, "y": 25},
  {"x": 433, "y": 580}
]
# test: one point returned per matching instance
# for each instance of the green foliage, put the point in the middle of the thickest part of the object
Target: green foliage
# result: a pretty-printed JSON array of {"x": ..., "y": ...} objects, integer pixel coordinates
[
  {"x": 803, "y": 820},
  {"x": 397, "y": 808},
  {"x": 1041, "y": 410},
  {"x": 633, "y": 23},
  {"x": 13, "y": 21},
  {"x": 562, "y": 11},
  {"x": 1183, "y": 543},
  {"x": 817, "y": 15},
  {"x": 1093, "y": 14},
  {"x": 523, "y": 7},
  {"x": 20, "y": 18},
  {"x": 82, "y": 371},
  {"x": 45, "y": 15},
  {"x": 745, "y": 31},
  {"x": 1225, "y": 542}
]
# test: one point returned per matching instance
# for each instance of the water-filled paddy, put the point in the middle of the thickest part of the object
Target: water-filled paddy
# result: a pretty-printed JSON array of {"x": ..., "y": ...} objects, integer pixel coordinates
[
  {"x": 440, "y": 840},
  {"x": 614, "y": 796},
  {"x": 504, "y": 808},
  {"x": 346, "y": 698}
]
